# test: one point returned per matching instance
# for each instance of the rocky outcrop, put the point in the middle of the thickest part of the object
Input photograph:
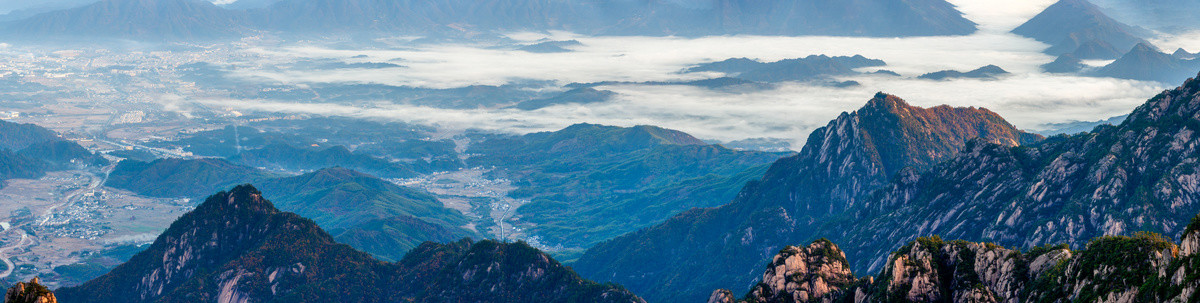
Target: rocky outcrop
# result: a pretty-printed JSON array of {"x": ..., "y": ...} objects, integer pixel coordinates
[
  {"x": 31, "y": 292},
  {"x": 803, "y": 274},
  {"x": 1142, "y": 268}
]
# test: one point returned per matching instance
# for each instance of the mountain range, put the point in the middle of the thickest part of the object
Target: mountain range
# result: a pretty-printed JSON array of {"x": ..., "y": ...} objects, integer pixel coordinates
[
  {"x": 237, "y": 247},
  {"x": 1068, "y": 189},
  {"x": 986, "y": 72},
  {"x": 689, "y": 255},
  {"x": 816, "y": 67},
  {"x": 1173, "y": 16},
  {"x": 1115, "y": 180},
  {"x": 195, "y": 19},
  {"x": 1148, "y": 63},
  {"x": 136, "y": 19}
]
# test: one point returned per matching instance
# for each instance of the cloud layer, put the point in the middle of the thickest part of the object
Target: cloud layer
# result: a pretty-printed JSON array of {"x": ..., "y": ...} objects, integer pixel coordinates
[{"x": 1028, "y": 98}]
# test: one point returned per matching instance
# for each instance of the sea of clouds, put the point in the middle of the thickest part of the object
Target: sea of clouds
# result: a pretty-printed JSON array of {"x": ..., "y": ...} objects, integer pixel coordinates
[{"x": 1028, "y": 98}]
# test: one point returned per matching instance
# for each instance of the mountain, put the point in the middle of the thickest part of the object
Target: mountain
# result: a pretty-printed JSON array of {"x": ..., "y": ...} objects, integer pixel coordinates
[
  {"x": 136, "y": 19},
  {"x": 798, "y": 69},
  {"x": 1183, "y": 54},
  {"x": 986, "y": 72},
  {"x": 1096, "y": 49},
  {"x": 1136, "y": 176},
  {"x": 236, "y": 247},
  {"x": 787, "y": 18},
  {"x": 62, "y": 153},
  {"x": 1070, "y": 128},
  {"x": 16, "y": 166},
  {"x": 445, "y": 17},
  {"x": 583, "y": 95},
  {"x": 1071, "y": 25},
  {"x": 1172, "y": 16},
  {"x": 249, "y": 4},
  {"x": 179, "y": 177},
  {"x": 21, "y": 10},
  {"x": 1147, "y": 63},
  {"x": 548, "y": 47},
  {"x": 1066, "y": 63},
  {"x": 28, "y": 151},
  {"x": 18, "y": 136},
  {"x": 362, "y": 208},
  {"x": 197, "y": 19},
  {"x": 689, "y": 255},
  {"x": 1146, "y": 267},
  {"x": 587, "y": 183},
  {"x": 287, "y": 157}
]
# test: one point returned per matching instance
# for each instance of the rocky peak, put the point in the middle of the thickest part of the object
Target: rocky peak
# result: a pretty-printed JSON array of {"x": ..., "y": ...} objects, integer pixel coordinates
[
  {"x": 860, "y": 151},
  {"x": 225, "y": 227},
  {"x": 236, "y": 247},
  {"x": 31, "y": 292},
  {"x": 801, "y": 274}
]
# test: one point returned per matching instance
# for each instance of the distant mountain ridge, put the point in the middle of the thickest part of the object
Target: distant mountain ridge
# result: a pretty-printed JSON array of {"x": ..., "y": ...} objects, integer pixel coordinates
[
  {"x": 1147, "y": 63},
  {"x": 137, "y": 19},
  {"x": 236, "y": 247},
  {"x": 815, "y": 67},
  {"x": 986, "y": 72},
  {"x": 196, "y": 19}
]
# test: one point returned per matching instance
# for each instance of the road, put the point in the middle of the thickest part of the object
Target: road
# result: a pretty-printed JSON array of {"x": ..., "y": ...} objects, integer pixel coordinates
[{"x": 4, "y": 256}]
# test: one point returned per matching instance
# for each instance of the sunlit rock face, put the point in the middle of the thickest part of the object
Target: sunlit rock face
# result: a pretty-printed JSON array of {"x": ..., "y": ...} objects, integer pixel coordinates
[
  {"x": 29, "y": 292},
  {"x": 1142, "y": 268}
]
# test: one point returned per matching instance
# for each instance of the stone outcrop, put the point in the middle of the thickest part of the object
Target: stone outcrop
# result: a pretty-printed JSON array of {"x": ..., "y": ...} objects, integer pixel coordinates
[
  {"x": 1145, "y": 267},
  {"x": 29, "y": 292},
  {"x": 803, "y": 274}
]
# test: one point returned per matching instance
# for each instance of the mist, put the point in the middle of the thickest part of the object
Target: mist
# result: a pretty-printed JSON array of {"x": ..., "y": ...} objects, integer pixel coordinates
[{"x": 1028, "y": 98}]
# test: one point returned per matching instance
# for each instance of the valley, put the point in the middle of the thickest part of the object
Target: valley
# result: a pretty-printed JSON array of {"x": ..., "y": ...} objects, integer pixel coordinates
[{"x": 73, "y": 218}]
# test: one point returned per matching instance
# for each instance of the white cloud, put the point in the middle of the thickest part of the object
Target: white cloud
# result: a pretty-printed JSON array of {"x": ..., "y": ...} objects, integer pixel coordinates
[{"x": 1028, "y": 98}]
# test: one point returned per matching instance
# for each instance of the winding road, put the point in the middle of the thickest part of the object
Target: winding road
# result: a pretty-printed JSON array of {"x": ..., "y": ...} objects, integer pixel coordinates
[{"x": 4, "y": 256}]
